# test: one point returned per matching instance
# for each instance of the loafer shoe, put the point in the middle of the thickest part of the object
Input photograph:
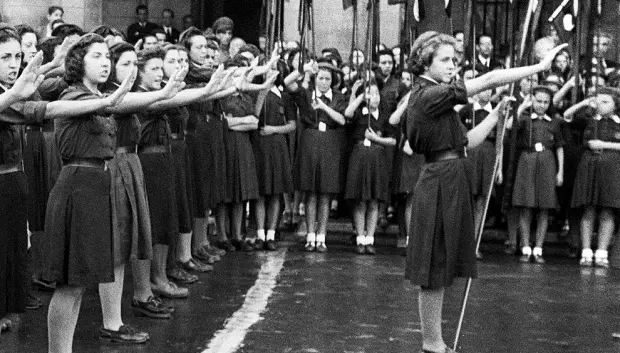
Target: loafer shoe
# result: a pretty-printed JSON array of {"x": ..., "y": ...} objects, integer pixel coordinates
[
  {"x": 226, "y": 245},
  {"x": 259, "y": 244},
  {"x": 271, "y": 245},
  {"x": 538, "y": 259},
  {"x": 193, "y": 265},
  {"x": 181, "y": 276},
  {"x": 309, "y": 247},
  {"x": 203, "y": 255},
  {"x": 125, "y": 334},
  {"x": 360, "y": 249},
  {"x": 321, "y": 248},
  {"x": 370, "y": 250},
  {"x": 150, "y": 308},
  {"x": 525, "y": 258}
]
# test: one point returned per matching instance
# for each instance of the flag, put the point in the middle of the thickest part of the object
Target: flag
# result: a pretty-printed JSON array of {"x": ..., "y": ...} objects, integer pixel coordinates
[
  {"x": 448, "y": 8},
  {"x": 418, "y": 10}
]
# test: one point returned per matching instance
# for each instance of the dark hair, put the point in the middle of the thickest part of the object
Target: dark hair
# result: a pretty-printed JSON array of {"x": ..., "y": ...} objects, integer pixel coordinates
[
  {"x": 148, "y": 54},
  {"x": 237, "y": 61},
  {"x": 250, "y": 48},
  {"x": 333, "y": 73},
  {"x": 141, "y": 7},
  {"x": 158, "y": 30},
  {"x": 74, "y": 62},
  {"x": 58, "y": 20},
  {"x": 185, "y": 39},
  {"x": 103, "y": 31},
  {"x": 66, "y": 30},
  {"x": 8, "y": 33},
  {"x": 116, "y": 51},
  {"x": 23, "y": 29},
  {"x": 168, "y": 10},
  {"x": 52, "y": 9},
  {"x": 47, "y": 46},
  {"x": 385, "y": 52},
  {"x": 283, "y": 71}
]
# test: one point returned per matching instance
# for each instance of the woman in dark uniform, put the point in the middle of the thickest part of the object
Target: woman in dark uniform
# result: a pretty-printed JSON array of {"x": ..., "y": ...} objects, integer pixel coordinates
[
  {"x": 442, "y": 244},
  {"x": 319, "y": 168},
  {"x": 597, "y": 186},
  {"x": 368, "y": 172},
  {"x": 273, "y": 160}
]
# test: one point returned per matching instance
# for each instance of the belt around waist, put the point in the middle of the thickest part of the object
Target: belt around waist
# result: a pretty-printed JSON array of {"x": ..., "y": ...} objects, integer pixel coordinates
[
  {"x": 11, "y": 168},
  {"x": 86, "y": 162},
  {"x": 433, "y": 157},
  {"x": 127, "y": 149},
  {"x": 155, "y": 149}
]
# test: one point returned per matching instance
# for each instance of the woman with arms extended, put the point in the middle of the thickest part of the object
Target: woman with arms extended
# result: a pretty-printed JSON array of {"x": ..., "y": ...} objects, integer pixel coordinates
[{"x": 442, "y": 244}]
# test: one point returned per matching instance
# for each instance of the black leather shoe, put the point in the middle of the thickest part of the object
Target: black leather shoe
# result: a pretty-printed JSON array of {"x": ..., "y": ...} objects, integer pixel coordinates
[
  {"x": 321, "y": 248},
  {"x": 309, "y": 247},
  {"x": 238, "y": 244},
  {"x": 259, "y": 244},
  {"x": 370, "y": 250},
  {"x": 247, "y": 246},
  {"x": 150, "y": 308},
  {"x": 125, "y": 334},
  {"x": 181, "y": 276},
  {"x": 226, "y": 245},
  {"x": 271, "y": 245},
  {"x": 360, "y": 249}
]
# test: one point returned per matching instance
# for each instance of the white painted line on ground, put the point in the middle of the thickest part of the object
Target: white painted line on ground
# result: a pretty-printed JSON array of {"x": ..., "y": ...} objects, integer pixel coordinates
[{"x": 230, "y": 338}]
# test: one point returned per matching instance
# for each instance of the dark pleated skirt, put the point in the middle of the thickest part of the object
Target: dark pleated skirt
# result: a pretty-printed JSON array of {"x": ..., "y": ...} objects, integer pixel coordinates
[
  {"x": 319, "y": 163},
  {"x": 482, "y": 159},
  {"x": 160, "y": 189},
  {"x": 78, "y": 239},
  {"x": 36, "y": 173},
  {"x": 183, "y": 192},
  {"x": 598, "y": 180},
  {"x": 406, "y": 172},
  {"x": 130, "y": 209},
  {"x": 241, "y": 174},
  {"x": 442, "y": 244},
  {"x": 535, "y": 181},
  {"x": 367, "y": 175},
  {"x": 273, "y": 165},
  {"x": 53, "y": 161},
  {"x": 13, "y": 243}
]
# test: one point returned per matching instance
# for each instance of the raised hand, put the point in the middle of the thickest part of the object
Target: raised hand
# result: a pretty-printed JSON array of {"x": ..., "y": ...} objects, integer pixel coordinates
[
  {"x": 548, "y": 59},
  {"x": 29, "y": 80},
  {"x": 120, "y": 93}
]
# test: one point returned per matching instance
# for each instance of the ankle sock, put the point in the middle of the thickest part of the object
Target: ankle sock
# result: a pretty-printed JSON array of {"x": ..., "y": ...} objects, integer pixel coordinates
[
  {"x": 537, "y": 251},
  {"x": 370, "y": 240},
  {"x": 320, "y": 238},
  {"x": 587, "y": 253},
  {"x": 260, "y": 234},
  {"x": 311, "y": 239},
  {"x": 360, "y": 240},
  {"x": 271, "y": 235},
  {"x": 526, "y": 250},
  {"x": 601, "y": 254}
]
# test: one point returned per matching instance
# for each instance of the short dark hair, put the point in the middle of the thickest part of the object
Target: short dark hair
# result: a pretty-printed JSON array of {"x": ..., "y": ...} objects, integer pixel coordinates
[
  {"x": 237, "y": 61},
  {"x": 103, "y": 31},
  {"x": 47, "y": 46},
  {"x": 141, "y": 7},
  {"x": 158, "y": 30},
  {"x": 8, "y": 33},
  {"x": 250, "y": 48},
  {"x": 23, "y": 29},
  {"x": 145, "y": 55},
  {"x": 52, "y": 9},
  {"x": 116, "y": 51},
  {"x": 74, "y": 62},
  {"x": 385, "y": 52},
  {"x": 67, "y": 29},
  {"x": 168, "y": 10}
]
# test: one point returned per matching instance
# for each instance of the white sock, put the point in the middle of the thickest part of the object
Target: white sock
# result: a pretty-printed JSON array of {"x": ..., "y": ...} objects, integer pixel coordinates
[
  {"x": 370, "y": 240},
  {"x": 587, "y": 253},
  {"x": 526, "y": 250},
  {"x": 360, "y": 240},
  {"x": 271, "y": 235},
  {"x": 537, "y": 251},
  {"x": 260, "y": 234},
  {"x": 311, "y": 239},
  {"x": 601, "y": 254},
  {"x": 320, "y": 238}
]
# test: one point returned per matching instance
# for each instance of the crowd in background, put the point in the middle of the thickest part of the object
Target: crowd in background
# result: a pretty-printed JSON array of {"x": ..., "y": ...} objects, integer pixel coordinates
[{"x": 217, "y": 131}]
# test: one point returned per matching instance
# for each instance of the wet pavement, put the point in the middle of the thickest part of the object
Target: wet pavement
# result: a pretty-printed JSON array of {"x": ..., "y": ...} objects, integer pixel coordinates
[{"x": 343, "y": 302}]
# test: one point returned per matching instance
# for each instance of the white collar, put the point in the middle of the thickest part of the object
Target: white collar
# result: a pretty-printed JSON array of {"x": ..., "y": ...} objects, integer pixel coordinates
[
  {"x": 317, "y": 94},
  {"x": 535, "y": 116},
  {"x": 614, "y": 117},
  {"x": 167, "y": 27},
  {"x": 375, "y": 114},
  {"x": 488, "y": 107},
  {"x": 484, "y": 60},
  {"x": 429, "y": 79},
  {"x": 276, "y": 91},
  {"x": 4, "y": 87}
]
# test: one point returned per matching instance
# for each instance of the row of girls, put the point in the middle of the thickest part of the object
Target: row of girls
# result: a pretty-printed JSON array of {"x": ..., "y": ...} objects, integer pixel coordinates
[{"x": 143, "y": 155}]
